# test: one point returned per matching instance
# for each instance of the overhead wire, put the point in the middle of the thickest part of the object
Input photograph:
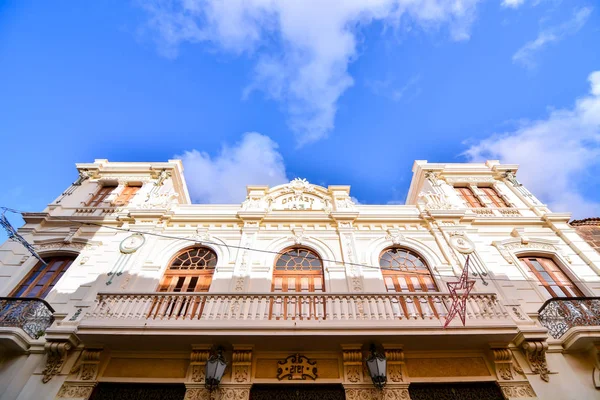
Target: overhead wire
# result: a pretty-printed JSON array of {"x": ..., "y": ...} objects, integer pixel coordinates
[{"x": 208, "y": 242}]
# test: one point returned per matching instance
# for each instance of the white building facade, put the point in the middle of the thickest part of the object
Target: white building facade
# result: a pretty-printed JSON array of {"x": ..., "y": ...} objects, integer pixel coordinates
[{"x": 140, "y": 287}]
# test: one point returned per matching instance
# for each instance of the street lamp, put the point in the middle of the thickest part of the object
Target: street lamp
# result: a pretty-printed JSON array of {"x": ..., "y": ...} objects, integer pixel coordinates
[
  {"x": 215, "y": 367},
  {"x": 376, "y": 364}
]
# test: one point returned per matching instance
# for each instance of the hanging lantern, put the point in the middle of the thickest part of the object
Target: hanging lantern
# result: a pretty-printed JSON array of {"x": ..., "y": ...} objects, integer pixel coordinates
[
  {"x": 215, "y": 367},
  {"x": 377, "y": 365}
]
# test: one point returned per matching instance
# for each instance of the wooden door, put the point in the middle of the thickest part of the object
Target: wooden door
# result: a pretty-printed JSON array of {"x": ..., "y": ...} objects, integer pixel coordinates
[
  {"x": 298, "y": 270},
  {"x": 191, "y": 271},
  {"x": 406, "y": 272}
]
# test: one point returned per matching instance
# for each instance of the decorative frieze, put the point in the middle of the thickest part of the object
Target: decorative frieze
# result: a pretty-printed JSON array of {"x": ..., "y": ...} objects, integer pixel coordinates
[
  {"x": 517, "y": 390},
  {"x": 376, "y": 394},
  {"x": 197, "y": 393},
  {"x": 71, "y": 390}
]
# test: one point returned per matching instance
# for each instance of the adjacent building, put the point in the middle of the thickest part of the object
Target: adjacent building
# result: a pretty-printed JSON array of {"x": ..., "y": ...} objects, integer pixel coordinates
[{"x": 140, "y": 287}]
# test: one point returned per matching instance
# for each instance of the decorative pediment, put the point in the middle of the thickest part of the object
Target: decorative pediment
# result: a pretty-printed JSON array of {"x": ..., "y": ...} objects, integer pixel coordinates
[
  {"x": 508, "y": 246},
  {"x": 299, "y": 194}
]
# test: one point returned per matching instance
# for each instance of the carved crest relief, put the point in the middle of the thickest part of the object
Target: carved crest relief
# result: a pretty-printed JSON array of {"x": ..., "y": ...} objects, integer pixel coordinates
[{"x": 296, "y": 367}]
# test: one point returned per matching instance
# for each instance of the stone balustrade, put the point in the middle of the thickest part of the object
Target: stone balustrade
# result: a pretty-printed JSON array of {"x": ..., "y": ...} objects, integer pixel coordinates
[{"x": 272, "y": 307}]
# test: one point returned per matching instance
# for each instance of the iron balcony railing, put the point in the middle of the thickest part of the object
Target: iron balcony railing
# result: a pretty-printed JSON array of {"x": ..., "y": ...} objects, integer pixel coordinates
[
  {"x": 558, "y": 315},
  {"x": 291, "y": 306},
  {"x": 32, "y": 315}
]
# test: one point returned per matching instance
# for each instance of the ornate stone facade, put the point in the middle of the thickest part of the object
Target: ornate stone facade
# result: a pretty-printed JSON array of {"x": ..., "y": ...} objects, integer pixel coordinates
[{"x": 118, "y": 317}]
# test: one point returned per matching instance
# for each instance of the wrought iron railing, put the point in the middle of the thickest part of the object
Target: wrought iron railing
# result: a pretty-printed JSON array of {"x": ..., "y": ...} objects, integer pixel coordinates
[
  {"x": 32, "y": 315},
  {"x": 558, "y": 315}
]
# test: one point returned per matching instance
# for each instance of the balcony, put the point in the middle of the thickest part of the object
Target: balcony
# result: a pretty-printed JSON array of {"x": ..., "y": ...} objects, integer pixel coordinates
[
  {"x": 574, "y": 320},
  {"x": 294, "y": 314},
  {"x": 29, "y": 315}
]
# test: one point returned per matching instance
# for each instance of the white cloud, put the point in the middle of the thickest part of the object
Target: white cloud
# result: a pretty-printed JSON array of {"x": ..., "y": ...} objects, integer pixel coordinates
[
  {"x": 526, "y": 54},
  {"x": 223, "y": 179},
  {"x": 302, "y": 48},
  {"x": 554, "y": 153},
  {"x": 387, "y": 89},
  {"x": 512, "y": 3}
]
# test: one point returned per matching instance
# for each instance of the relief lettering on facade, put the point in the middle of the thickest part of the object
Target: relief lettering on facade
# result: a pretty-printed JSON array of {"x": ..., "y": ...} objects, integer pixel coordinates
[{"x": 296, "y": 367}]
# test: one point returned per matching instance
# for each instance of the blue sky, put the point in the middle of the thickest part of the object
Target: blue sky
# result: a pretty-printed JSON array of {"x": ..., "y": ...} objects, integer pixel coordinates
[{"x": 339, "y": 92}]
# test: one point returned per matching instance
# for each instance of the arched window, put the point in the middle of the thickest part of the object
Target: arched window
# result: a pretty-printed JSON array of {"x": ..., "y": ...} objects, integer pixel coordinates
[
  {"x": 42, "y": 278},
  {"x": 551, "y": 279},
  {"x": 405, "y": 271},
  {"x": 298, "y": 270},
  {"x": 190, "y": 271}
]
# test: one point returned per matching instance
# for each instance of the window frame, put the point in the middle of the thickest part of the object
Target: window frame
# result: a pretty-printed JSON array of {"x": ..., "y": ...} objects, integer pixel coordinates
[
  {"x": 38, "y": 272},
  {"x": 470, "y": 195},
  {"x": 127, "y": 194},
  {"x": 101, "y": 194},
  {"x": 493, "y": 196},
  {"x": 544, "y": 286}
]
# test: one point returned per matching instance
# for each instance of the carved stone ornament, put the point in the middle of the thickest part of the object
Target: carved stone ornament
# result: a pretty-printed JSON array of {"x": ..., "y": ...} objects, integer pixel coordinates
[
  {"x": 299, "y": 186},
  {"x": 74, "y": 390},
  {"x": 506, "y": 366},
  {"x": 296, "y": 367},
  {"x": 196, "y": 370},
  {"x": 394, "y": 236},
  {"x": 160, "y": 200},
  {"x": 536, "y": 356},
  {"x": 510, "y": 176},
  {"x": 197, "y": 394},
  {"x": 298, "y": 235},
  {"x": 376, "y": 394},
  {"x": 517, "y": 390},
  {"x": 251, "y": 203},
  {"x": 461, "y": 243},
  {"x": 395, "y": 363},
  {"x": 86, "y": 367},
  {"x": 57, "y": 353},
  {"x": 435, "y": 201},
  {"x": 432, "y": 177},
  {"x": 353, "y": 363},
  {"x": 232, "y": 393},
  {"x": 241, "y": 364}
]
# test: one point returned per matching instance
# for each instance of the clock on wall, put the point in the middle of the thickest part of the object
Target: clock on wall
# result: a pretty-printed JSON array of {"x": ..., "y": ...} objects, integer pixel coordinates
[{"x": 131, "y": 243}]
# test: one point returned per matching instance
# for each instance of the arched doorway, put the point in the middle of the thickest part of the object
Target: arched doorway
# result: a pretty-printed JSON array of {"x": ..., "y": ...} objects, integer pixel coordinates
[
  {"x": 190, "y": 271},
  {"x": 298, "y": 270},
  {"x": 404, "y": 271}
]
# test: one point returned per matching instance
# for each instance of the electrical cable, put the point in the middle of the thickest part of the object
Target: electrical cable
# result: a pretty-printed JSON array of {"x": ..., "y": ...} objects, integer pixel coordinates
[{"x": 205, "y": 242}]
